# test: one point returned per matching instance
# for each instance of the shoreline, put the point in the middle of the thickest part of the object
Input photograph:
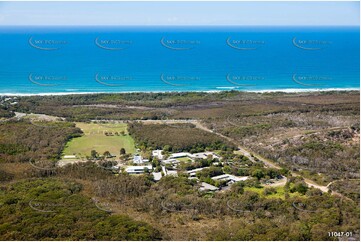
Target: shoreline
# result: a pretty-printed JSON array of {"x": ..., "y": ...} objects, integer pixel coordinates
[{"x": 290, "y": 90}]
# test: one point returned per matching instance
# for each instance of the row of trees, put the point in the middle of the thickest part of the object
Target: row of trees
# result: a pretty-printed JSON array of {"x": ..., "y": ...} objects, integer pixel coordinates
[{"x": 95, "y": 155}]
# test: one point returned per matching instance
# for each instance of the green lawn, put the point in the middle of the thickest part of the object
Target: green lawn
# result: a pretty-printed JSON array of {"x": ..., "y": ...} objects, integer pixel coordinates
[
  {"x": 185, "y": 159},
  {"x": 94, "y": 138}
]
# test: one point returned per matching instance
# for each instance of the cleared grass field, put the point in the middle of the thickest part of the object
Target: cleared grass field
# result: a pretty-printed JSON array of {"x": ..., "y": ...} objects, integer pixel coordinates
[{"x": 94, "y": 138}]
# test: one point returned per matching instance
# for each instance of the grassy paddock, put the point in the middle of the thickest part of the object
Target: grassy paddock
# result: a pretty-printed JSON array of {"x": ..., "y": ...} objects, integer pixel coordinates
[{"x": 94, "y": 138}]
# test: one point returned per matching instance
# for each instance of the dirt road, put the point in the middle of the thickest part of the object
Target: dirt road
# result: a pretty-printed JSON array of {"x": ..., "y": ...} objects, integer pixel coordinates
[{"x": 245, "y": 152}]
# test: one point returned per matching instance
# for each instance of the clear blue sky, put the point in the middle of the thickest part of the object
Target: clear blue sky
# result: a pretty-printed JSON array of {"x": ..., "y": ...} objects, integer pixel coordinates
[{"x": 179, "y": 13}]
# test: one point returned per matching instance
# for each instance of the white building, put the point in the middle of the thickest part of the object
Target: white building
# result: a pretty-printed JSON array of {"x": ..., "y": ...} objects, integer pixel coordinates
[
  {"x": 157, "y": 176},
  {"x": 137, "y": 159},
  {"x": 204, "y": 155},
  {"x": 228, "y": 177},
  {"x": 194, "y": 171},
  {"x": 69, "y": 157},
  {"x": 137, "y": 169},
  {"x": 158, "y": 154},
  {"x": 170, "y": 161},
  {"x": 172, "y": 173},
  {"x": 200, "y": 155},
  {"x": 179, "y": 155}
]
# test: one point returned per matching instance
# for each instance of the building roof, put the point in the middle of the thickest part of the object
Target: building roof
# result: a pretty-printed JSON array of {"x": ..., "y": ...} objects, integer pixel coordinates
[
  {"x": 137, "y": 168},
  {"x": 200, "y": 155},
  {"x": 208, "y": 187},
  {"x": 230, "y": 177},
  {"x": 138, "y": 159},
  {"x": 69, "y": 156},
  {"x": 204, "y": 155},
  {"x": 170, "y": 161},
  {"x": 172, "y": 173},
  {"x": 157, "y": 153},
  {"x": 157, "y": 175},
  {"x": 178, "y": 155},
  {"x": 195, "y": 170}
]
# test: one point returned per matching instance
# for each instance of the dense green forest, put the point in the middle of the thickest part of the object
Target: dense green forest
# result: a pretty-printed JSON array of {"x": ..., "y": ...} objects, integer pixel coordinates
[
  {"x": 22, "y": 141},
  {"x": 177, "y": 138},
  {"x": 51, "y": 209}
]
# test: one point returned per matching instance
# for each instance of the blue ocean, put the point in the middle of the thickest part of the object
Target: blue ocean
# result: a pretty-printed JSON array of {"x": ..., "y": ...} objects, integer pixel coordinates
[{"x": 59, "y": 60}]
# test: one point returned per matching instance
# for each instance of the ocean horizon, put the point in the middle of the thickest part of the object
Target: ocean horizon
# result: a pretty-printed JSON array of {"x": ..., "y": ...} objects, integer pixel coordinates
[{"x": 70, "y": 60}]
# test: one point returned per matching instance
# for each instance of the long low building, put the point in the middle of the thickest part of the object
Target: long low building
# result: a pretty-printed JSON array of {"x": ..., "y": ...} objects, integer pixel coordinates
[
  {"x": 204, "y": 155},
  {"x": 194, "y": 171},
  {"x": 137, "y": 169},
  {"x": 179, "y": 155},
  {"x": 69, "y": 157},
  {"x": 200, "y": 155},
  {"x": 170, "y": 161},
  {"x": 228, "y": 177}
]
